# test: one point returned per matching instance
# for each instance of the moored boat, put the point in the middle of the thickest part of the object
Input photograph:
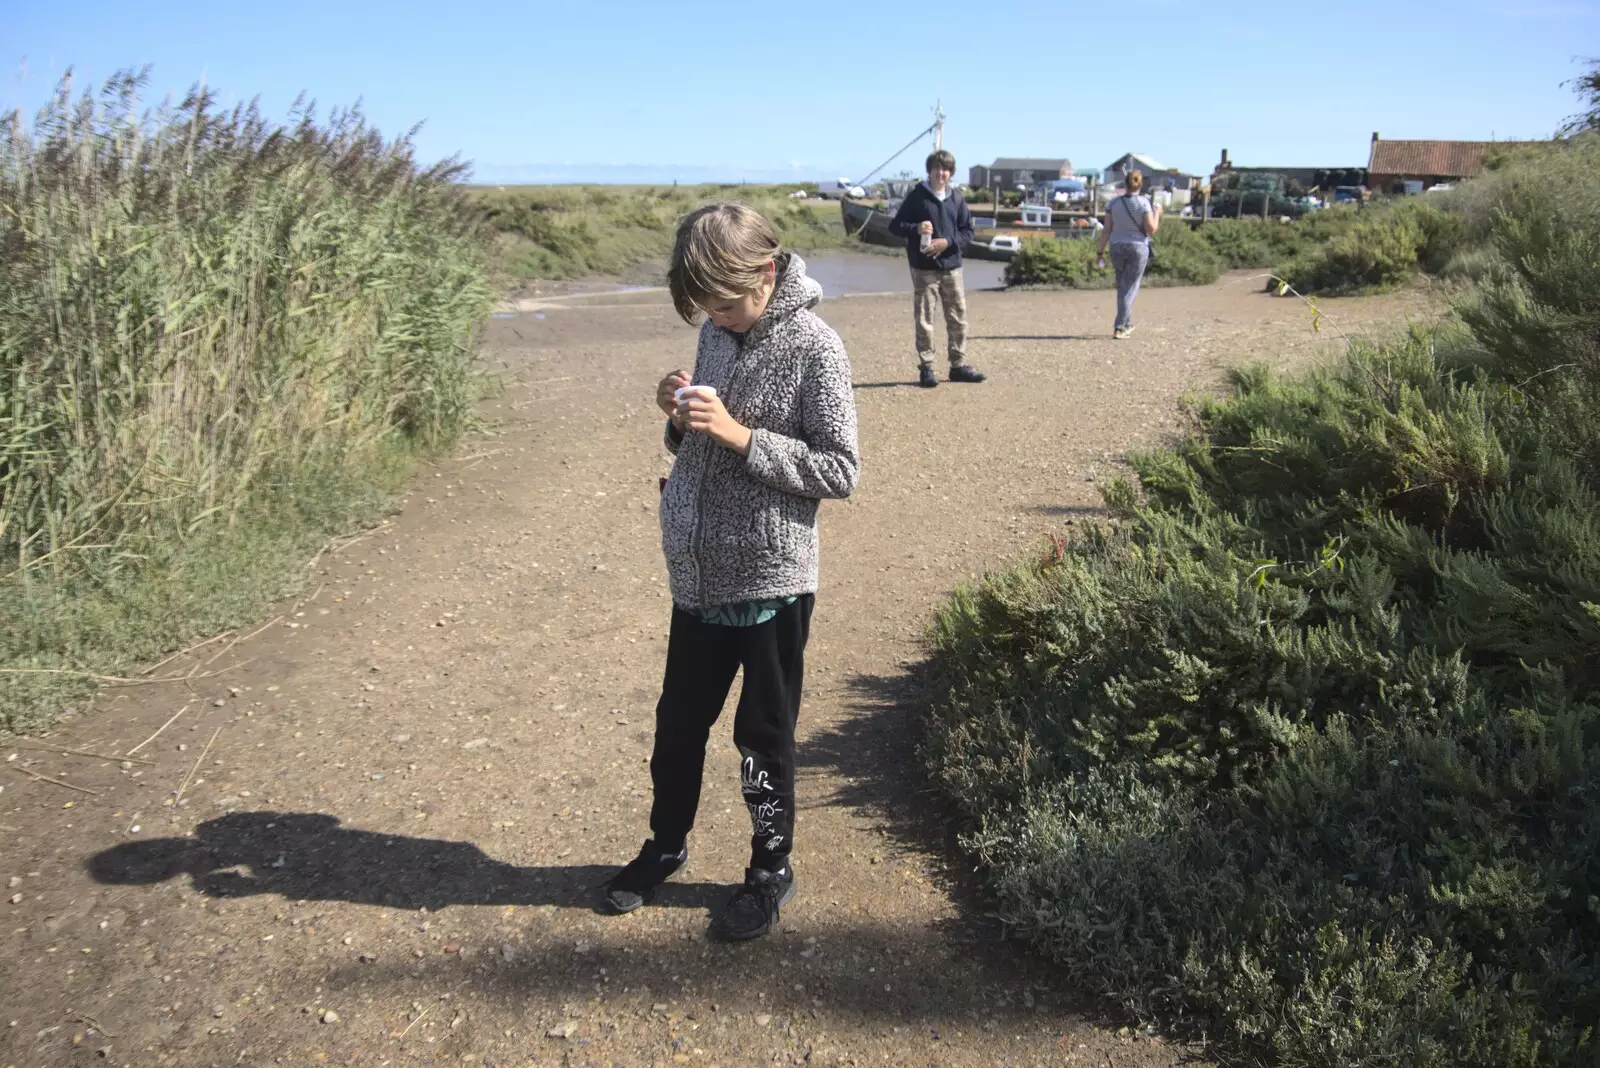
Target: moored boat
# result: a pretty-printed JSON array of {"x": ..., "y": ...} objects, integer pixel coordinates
[
  {"x": 868, "y": 219},
  {"x": 865, "y": 220}
]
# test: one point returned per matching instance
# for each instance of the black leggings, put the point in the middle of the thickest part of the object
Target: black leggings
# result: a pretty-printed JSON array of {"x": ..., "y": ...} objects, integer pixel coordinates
[{"x": 702, "y": 659}]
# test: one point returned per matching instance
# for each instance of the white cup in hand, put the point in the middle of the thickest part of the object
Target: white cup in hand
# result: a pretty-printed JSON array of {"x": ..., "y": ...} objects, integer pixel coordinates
[{"x": 683, "y": 393}]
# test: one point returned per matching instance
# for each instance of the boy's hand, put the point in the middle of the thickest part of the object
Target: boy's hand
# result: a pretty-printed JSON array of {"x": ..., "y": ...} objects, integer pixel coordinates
[
  {"x": 925, "y": 228},
  {"x": 936, "y": 246},
  {"x": 708, "y": 416},
  {"x": 664, "y": 393}
]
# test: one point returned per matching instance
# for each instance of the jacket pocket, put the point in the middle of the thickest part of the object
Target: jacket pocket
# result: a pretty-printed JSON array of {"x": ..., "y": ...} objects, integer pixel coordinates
[
  {"x": 738, "y": 522},
  {"x": 793, "y": 521},
  {"x": 677, "y": 513}
]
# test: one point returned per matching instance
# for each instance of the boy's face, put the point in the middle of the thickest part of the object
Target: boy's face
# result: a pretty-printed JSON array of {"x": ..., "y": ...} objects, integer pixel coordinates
[
  {"x": 939, "y": 176},
  {"x": 740, "y": 313}
]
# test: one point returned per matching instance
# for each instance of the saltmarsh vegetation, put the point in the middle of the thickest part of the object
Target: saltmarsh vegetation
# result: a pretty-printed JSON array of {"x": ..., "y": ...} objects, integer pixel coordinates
[
  {"x": 1345, "y": 251},
  {"x": 221, "y": 339},
  {"x": 1303, "y": 747},
  {"x": 573, "y": 231},
  {"x": 1183, "y": 258},
  {"x": 1450, "y": 235},
  {"x": 1186, "y": 254}
]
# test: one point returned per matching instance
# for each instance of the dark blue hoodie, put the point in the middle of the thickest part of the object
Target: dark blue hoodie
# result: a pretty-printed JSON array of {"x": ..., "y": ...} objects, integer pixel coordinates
[{"x": 951, "y": 221}]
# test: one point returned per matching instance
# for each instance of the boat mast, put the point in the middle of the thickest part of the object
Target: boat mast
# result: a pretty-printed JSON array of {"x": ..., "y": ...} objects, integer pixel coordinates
[{"x": 937, "y": 129}]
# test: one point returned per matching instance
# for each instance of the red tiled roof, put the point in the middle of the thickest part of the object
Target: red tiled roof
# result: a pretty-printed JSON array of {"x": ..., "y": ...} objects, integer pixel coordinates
[{"x": 1434, "y": 159}]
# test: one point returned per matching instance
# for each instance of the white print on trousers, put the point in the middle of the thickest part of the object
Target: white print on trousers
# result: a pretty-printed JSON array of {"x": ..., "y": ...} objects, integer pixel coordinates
[
  {"x": 765, "y": 816},
  {"x": 764, "y": 812},
  {"x": 752, "y": 781}
]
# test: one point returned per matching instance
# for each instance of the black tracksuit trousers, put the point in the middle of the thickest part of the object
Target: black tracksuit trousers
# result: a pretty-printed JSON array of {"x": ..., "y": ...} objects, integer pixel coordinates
[{"x": 702, "y": 659}]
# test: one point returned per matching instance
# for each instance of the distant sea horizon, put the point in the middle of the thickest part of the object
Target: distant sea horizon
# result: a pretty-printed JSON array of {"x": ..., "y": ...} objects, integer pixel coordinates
[{"x": 643, "y": 174}]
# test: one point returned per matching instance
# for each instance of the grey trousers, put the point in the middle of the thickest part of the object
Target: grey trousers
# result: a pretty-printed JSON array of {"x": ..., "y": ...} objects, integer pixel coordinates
[{"x": 1129, "y": 261}]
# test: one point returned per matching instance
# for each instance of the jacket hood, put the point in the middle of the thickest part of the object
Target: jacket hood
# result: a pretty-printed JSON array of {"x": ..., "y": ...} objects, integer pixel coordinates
[{"x": 794, "y": 292}]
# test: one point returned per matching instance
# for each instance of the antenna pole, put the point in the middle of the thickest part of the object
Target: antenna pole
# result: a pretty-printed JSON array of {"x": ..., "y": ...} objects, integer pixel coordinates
[{"x": 938, "y": 126}]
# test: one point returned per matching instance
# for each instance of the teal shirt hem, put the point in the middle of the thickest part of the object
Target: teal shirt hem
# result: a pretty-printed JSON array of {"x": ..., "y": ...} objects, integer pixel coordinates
[{"x": 743, "y": 613}]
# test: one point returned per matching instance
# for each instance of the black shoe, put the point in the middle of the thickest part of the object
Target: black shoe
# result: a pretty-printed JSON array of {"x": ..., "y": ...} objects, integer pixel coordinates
[
  {"x": 927, "y": 379},
  {"x": 753, "y": 909},
  {"x": 963, "y": 373},
  {"x": 636, "y": 884}
]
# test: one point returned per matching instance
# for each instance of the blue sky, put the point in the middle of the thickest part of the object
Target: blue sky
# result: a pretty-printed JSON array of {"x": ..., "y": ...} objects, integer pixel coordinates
[{"x": 768, "y": 91}]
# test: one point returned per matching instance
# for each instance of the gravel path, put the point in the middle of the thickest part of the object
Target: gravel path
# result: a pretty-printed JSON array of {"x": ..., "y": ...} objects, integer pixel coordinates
[{"x": 396, "y": 809}]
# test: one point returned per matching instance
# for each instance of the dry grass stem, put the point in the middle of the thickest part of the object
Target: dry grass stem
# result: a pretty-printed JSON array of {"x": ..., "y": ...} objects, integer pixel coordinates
[
  {"x": 197, "y": 762},
  {"x": 414, "y": 1023},
  {"x": 182, "y": 652},
  {"x": 92, "y": 1022},
  {"x": 54, "y": 782},
  {"x": 120, "y": 680},
  {"x": 83, "y": 752},
  {"x": 247, "y": 637},
  {"x": 161, "y": 728}
]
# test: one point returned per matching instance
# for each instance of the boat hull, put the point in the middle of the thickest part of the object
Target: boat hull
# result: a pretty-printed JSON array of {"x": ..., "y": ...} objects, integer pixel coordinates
[
  {"x": 867, "y": 223},
  {"x": 979, "y": 249},
  {"x": 870, "y": 224}
]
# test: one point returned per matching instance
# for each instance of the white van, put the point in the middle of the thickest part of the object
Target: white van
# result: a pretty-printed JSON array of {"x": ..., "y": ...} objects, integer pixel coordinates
[{"x": 839, "y": 189}]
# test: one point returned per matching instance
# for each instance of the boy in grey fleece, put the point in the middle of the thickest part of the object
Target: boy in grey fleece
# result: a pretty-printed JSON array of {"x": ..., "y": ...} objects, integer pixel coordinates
[
  {"x": 738, "y": 528},
  {"x": 744, "y": 527}
]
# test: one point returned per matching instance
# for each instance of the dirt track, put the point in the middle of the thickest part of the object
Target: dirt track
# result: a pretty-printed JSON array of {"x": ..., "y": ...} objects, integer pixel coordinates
[{"x": 385, "y": 855}]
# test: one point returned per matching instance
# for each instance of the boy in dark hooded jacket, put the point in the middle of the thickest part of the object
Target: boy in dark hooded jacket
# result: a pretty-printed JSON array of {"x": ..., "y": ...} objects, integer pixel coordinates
[{"x": 937, "y": 227}]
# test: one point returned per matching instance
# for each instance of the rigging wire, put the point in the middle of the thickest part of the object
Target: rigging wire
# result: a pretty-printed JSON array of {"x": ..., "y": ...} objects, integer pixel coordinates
[{"x": 897, "y": 154}]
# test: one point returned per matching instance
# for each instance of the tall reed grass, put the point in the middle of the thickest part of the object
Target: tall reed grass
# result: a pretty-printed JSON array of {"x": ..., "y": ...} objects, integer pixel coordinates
[{"x": 202, "y": 313}]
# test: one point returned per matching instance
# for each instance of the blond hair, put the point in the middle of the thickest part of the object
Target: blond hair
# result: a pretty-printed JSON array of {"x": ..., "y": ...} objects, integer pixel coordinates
[
  {"x": 722, "y": 253},
  {"x": 1135, "y": 181}
]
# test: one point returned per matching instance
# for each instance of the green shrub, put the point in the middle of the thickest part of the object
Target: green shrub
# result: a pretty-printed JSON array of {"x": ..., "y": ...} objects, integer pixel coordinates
[
  {"x": 1376, "y": 253},
  {"x": 1305, "y": 747},
  {"x": 1258, "y": 243},
  {"x": 1380, "y": 249},
  {"x": 1243, "y": 243},
  {"x": 1182, "y": 257},
  {"x": 1520, "y": 171},
  {"x": 1057, "y": 262}
]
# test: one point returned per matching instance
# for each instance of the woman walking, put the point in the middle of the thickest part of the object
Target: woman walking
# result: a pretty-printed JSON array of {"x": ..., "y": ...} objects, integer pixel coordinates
[{"x": 1130, "y": 221}]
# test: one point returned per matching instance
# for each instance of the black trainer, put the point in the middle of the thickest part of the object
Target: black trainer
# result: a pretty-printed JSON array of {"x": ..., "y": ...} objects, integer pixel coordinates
[
  {"x": 965, "y": 373},
  {"x": 753, "y": 909},
  {"x": 926, "y": 378},
  {"x": 636, "y": 884}
]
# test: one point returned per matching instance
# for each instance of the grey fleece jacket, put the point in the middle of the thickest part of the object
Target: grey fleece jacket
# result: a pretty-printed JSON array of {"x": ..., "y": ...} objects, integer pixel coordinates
[{"x": 737, "y": 528}]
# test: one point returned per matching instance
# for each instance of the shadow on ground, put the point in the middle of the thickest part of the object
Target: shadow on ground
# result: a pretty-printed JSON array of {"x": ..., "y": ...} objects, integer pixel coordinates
[
  {"x": 310, "y": 857},
  {"x": 1037, "y": 337},
  {"x": 954, "y": 975},
  {"x": 873, "y": 753},
  {"x": 1069, "y": 511}
]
